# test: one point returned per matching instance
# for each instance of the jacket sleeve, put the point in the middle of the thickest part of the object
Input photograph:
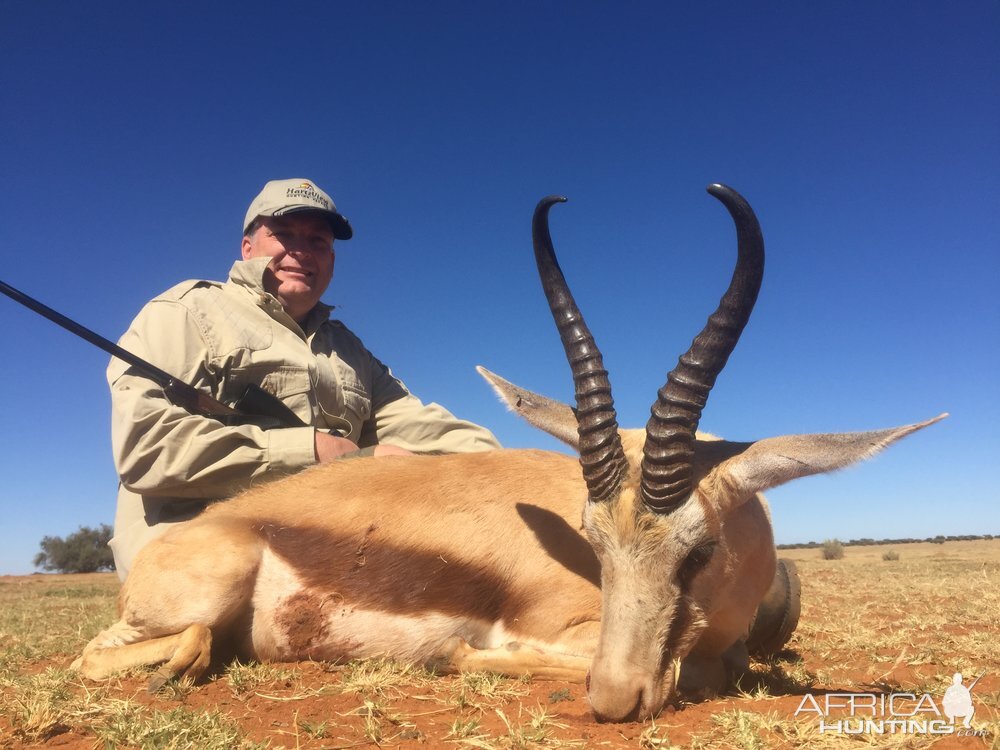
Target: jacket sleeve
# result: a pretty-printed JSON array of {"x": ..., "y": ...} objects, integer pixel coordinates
[
  {"x": 399, "y": 418},
  {"x": 161, "y": 449}
]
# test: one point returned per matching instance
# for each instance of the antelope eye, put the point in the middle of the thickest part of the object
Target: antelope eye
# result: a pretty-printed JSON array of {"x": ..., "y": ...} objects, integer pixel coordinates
[{"x": 697, "y": 559}]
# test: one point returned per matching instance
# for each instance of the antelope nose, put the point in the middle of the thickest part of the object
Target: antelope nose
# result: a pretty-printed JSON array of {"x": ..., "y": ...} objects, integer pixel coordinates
[
  {"x": 624, "y": 710},
  {"x": 618, "y": 701}
]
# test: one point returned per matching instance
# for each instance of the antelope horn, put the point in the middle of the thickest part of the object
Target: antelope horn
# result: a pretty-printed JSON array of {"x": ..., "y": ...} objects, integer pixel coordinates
[
  {"x": 601, "y": 454},
  {"x": 667, "y": 474}
]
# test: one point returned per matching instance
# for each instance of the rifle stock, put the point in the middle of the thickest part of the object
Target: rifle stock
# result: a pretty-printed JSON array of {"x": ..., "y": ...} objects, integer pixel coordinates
[{"x": 255, "y": 403}]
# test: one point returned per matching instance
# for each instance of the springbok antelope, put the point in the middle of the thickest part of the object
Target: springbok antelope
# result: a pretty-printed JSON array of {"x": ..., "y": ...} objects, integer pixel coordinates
[{"x": 477, "y": 561}]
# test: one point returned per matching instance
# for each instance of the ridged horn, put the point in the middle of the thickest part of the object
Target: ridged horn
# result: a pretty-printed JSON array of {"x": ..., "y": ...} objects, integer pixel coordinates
[
  {"x": 667, "y": 472},
  {"x": 601, "y": 454}
]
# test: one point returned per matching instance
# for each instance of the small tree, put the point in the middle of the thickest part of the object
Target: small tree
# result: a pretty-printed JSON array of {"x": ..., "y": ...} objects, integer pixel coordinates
[{"x": 84, "y": 551}]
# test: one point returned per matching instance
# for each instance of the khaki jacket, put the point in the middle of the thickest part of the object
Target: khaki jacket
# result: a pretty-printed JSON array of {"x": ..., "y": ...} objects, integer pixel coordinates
[{"x": 220, "y": 337}]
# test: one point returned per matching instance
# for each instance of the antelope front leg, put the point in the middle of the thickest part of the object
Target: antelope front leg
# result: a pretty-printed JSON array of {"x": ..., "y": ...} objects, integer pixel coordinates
[
  {"x": 512, "y": 659},
  {"x": 121, "y": 647}
]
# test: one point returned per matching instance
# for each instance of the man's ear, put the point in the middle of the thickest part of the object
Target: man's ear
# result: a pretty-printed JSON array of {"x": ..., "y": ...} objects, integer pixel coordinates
[
  {"x": 246, "y": 247},
  {"x": 553, "y": 417},
  {"x": 772, "y": 462}
]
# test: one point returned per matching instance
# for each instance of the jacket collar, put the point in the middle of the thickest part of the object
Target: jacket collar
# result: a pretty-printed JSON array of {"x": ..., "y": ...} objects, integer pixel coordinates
[{"x": 249, "y": 274}]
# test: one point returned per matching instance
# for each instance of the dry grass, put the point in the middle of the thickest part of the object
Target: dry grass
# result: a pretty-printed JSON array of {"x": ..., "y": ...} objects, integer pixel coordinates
[{"x": 867, "y": 625}]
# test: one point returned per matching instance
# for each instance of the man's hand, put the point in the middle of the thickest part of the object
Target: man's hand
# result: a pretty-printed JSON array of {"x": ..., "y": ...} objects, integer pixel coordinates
[{"x": 330, "y": 447}]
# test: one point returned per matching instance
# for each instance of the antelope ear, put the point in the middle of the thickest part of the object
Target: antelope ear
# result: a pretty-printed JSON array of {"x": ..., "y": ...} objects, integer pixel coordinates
[
  {"x": 774, "y": 461},
  {"x": 553, "y": 417}
]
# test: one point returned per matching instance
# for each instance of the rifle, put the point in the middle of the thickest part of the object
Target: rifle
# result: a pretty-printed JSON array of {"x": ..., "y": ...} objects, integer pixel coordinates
[{"x": 254, "y": 403}]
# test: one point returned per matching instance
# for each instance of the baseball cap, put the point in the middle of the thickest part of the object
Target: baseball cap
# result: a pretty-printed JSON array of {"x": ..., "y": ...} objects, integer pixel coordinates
[{"x": 282, "y": 197}]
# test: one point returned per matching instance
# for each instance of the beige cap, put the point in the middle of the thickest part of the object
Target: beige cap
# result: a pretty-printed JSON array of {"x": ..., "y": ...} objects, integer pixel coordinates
[{"x": 281, "y": 197}]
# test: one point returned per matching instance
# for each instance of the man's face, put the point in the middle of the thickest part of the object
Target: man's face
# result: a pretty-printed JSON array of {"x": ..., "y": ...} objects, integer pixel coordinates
[{"x": 301, "y": 250}]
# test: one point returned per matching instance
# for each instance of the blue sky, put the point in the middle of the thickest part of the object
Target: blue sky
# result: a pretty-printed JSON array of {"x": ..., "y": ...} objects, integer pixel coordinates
[{"x": 864, "y": 134}]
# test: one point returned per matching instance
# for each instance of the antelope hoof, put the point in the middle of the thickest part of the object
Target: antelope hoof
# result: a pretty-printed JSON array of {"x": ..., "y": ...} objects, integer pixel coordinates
[{"x": 159, "y": 679}]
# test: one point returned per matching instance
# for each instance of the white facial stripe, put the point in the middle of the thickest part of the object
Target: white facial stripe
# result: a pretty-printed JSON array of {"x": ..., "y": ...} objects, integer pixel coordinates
[{"x": 690, "y": 524}]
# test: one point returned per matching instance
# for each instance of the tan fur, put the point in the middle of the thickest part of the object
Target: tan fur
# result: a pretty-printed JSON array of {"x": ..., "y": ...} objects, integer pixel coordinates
[
  {"x": 461, "y": 537},
  {"x": 472, "y": 560}
]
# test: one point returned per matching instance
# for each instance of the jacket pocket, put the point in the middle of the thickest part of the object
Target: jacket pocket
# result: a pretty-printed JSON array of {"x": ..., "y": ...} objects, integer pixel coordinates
[
  {"x": 346, "y": 406},
  {"x": 286, "y": 382},
  {"x": 359, "y": 403},
  {"x": 290, "y": 385}
]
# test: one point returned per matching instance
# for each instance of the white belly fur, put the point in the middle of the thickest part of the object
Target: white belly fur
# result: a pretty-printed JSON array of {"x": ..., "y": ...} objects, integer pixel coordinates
[{"x": 292, "y": 622}]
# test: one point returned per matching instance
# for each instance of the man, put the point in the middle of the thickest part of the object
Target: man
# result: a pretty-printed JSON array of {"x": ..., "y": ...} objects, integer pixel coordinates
[{"x": 264, "y": 326}]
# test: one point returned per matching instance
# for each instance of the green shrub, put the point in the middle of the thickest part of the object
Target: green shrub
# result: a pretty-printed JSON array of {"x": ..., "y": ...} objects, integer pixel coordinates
[{"x": 832, "y": 549}]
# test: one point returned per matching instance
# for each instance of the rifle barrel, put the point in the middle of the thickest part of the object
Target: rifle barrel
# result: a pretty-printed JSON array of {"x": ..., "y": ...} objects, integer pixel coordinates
[
  {"x": 155, "y": 373},
  {"x": 254, "y": 402}
]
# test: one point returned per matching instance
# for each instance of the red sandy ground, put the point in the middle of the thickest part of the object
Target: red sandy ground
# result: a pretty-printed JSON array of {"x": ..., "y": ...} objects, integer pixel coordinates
[
  {"x": 274, "y": 712},
  {"x": 263, "y": 715}
]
